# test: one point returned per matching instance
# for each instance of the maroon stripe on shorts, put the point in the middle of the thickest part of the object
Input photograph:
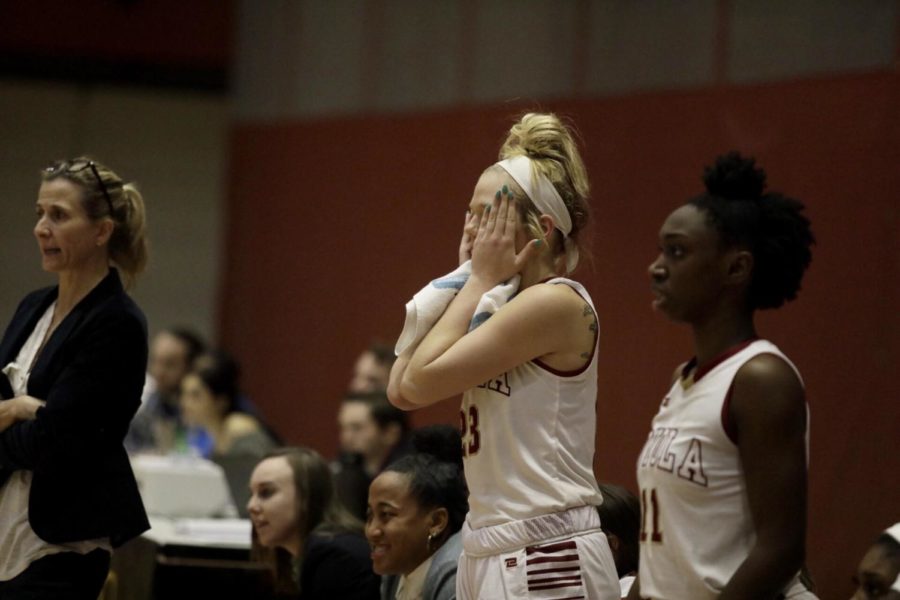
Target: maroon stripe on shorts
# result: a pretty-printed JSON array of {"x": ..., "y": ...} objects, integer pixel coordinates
[
  {"x": 543, "y": 580},
  {"x": 552, "y": 586},
  {"x": 558, "y": 570},
  {"x": 547, "y": 559}
]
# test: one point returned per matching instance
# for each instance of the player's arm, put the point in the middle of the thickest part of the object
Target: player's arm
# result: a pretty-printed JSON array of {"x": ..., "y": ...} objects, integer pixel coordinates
[
  {"x": 393, "y": 389},
  {"x": 768, "y": 409},
  {"x": 450, "y": 361}
]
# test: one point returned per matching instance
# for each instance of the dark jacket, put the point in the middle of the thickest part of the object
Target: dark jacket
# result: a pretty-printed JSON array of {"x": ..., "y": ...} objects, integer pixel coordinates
[
  {"x": 338, "y": 567},
  {"x": 90, "y": 373}
]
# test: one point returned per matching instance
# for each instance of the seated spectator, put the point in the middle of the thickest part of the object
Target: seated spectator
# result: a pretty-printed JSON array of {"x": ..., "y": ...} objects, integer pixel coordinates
[
  {"x": 372, "y": 369},
  {"x": 157, "y": 426},
  {"x": 878, "y": 574},
  {"x": 417, "y": 507},
  {"x": 210, "y": 402},
  {"x": 300, "y": 529},
  {"x": 373, "y": 434},
  {"x": 620, "y": 518}
]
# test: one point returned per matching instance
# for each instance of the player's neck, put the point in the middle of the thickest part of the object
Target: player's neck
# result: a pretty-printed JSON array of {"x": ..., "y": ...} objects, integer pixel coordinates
[
  {"x": 720, "y": 332},
  {"x": 540, "y": 269}
]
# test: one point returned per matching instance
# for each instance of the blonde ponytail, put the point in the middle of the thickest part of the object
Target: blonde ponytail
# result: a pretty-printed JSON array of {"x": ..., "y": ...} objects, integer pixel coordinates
[{"x": 128, "y": 243}]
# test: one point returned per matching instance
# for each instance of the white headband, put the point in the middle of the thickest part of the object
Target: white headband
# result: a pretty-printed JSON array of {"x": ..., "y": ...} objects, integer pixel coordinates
[
  {"x": 894, "y": 532},
  {"x": 545, "y": 198}
]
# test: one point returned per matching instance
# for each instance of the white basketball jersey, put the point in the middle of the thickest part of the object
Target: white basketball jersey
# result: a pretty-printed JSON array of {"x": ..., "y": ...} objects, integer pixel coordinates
[
  {"x": 696, "y": 523},
  {"x": 528, "y": 440}
]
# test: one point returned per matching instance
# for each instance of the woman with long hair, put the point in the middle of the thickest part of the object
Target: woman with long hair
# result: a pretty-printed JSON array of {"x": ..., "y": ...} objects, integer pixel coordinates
[{"x": 314, "y": 546}]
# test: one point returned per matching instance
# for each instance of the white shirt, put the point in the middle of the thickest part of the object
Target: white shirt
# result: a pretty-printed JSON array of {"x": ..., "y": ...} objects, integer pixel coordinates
[
  {"x": 19, "y": 544},
  {"x": 410, "y": 586}
]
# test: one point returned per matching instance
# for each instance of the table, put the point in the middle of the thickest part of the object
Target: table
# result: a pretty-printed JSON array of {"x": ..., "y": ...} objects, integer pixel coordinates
[{"x": 190, "y": 558}]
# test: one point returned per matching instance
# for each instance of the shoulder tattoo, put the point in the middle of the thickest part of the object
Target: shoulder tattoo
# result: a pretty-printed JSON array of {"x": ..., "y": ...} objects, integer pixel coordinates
[{"x": 587, "y": 311}]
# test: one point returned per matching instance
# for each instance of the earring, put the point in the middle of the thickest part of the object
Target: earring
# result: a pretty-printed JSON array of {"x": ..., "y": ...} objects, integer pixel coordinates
[{"x": 429, "y": 540}]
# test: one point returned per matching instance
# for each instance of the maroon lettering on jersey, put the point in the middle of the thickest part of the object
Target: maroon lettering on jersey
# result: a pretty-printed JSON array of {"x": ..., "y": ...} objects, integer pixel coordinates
[
  {"x": 656, "y": 451},
  {"x": 651, "y": 508},
  {"x": 471, "y": 435},
  {"x": 691, "y": 467},
  {"x": 498, "y": 384},
  {"x": 667, "y": 459}
]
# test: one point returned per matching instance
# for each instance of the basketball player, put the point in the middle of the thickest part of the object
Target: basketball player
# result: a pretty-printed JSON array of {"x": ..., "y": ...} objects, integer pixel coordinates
[
  {"x": 723, "y": 473},
  {"x": 529, "y": 379}
]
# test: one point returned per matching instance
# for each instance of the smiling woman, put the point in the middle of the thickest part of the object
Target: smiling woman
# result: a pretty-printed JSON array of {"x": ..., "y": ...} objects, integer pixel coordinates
[
  {"x": 73, "y": 360},
  {"x": 416, "y": 509}
]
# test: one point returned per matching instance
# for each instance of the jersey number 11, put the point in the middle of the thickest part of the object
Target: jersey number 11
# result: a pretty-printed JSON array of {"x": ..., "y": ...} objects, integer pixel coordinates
[{"x": 652, "y": 507}]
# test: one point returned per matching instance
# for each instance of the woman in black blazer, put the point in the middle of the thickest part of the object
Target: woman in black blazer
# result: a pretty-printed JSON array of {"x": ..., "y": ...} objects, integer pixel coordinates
[{"x": 73, "y": 360}]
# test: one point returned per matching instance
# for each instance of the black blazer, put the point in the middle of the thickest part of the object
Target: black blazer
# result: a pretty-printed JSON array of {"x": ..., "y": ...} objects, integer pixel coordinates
[{"x": 91, "y": 374}]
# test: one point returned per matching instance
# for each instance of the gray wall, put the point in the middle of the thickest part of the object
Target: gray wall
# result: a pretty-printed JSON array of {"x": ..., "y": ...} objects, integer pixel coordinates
[
  {"x": 171, "y": 143},
  {"x": 309, "y": 58}
]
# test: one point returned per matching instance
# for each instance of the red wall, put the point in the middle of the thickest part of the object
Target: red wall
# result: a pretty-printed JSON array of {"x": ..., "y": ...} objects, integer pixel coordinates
[{"x": 334, "y": 224}]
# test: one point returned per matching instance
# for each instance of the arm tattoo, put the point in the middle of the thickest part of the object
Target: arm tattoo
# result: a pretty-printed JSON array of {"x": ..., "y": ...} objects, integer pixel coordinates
[{"x": 587, "y": 311}]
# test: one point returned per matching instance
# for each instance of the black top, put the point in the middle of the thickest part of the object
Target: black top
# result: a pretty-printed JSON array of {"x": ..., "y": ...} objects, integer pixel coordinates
[
  {"x": 90, "y": 373},
  {"x": 338, "y": 567}
]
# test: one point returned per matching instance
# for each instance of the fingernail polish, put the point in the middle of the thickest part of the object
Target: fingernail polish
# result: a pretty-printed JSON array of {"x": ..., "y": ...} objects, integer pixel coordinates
[{"x": 505, "y": 190}]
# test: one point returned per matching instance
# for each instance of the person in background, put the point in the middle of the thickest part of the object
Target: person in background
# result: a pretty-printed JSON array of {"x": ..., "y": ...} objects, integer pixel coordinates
[
  {"x": 373, "y": 434},
  {"x": 312, "y": 544},
  {"x": 157, "y": 427},
  {"x": 73, "y": 361},
  {"x": 372, "y": 369},
  {"x": 878, "y": 574},
  {"x": 417, "y": 506},
  {"x": 210, "y": 402},
  {"x": 620, "y": 518}
]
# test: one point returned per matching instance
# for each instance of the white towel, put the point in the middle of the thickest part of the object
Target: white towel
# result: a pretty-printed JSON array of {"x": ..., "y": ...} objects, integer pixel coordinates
[{"x": 429, "y": 303}]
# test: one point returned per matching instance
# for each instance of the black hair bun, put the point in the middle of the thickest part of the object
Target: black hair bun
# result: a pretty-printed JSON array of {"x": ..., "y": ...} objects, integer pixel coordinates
[
  {"x": 735, "y": 177},
  {"x": 442, "y": 442}
]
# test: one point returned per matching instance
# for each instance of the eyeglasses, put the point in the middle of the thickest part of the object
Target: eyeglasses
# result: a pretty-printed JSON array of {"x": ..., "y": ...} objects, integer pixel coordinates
[{"x": 76, "y": 167}]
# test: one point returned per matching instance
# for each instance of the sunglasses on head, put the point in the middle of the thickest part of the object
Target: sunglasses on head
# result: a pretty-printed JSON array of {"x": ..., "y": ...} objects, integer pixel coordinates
[{"x": 76, "y": 167}]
